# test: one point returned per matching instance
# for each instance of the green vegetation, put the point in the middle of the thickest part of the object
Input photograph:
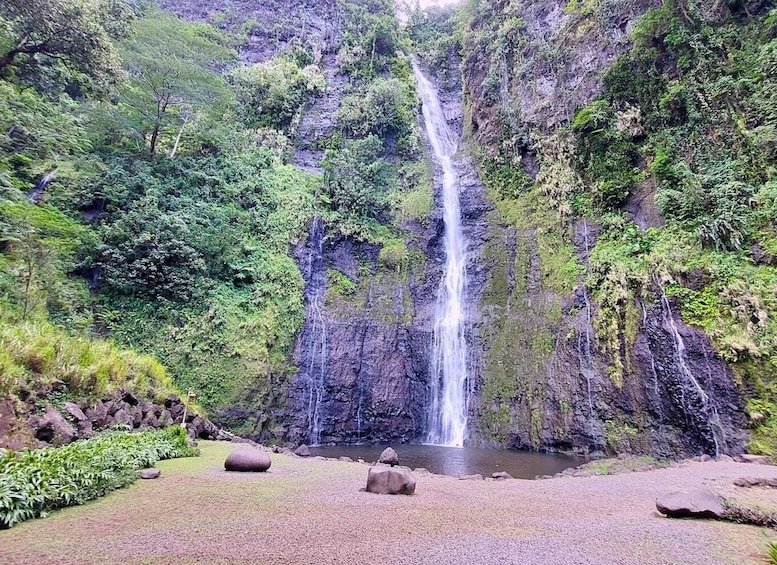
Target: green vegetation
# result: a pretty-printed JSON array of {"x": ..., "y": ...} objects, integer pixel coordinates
[
  {"x": 168, "y": 211},
  {"x": 35, "y": 482}
]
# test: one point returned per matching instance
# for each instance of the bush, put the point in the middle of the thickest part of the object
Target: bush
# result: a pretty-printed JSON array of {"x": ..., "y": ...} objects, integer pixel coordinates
[{"x": 34, "y": 482}]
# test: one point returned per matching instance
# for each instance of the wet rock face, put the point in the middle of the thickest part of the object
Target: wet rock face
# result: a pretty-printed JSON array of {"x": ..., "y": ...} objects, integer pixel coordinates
[{"x": 694, "y": 398}]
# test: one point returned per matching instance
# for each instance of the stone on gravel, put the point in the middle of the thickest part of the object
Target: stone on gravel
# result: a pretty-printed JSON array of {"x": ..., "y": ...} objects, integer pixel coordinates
[
  {"x": 477, "y": 477},
  {"x": 302, "y": 451},
  {"x": 389, "y": 457},
  {"x": 345, "y": 459},
  {"x": 755, "y": 459},
  {"x": 247, "y": 459},
  {"x": 501, "y": 475},
  {"x": 150, "y": 473},
  {"x": 390, "y": 480},
  {"x": 700, "y": 503}
]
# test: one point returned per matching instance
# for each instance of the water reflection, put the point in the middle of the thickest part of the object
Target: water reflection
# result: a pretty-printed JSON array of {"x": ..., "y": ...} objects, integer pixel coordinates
[{"x": 457, "y": 461}]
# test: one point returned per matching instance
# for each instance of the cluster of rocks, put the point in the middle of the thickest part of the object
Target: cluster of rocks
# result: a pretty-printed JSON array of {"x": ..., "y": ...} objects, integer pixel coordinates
[{"x": 62, "y": 424}]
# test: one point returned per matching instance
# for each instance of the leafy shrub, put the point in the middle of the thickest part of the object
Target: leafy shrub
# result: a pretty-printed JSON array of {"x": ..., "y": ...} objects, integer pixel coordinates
[
  {"x": 34, "y": 482},
  {"x": 271, "y": 93}
]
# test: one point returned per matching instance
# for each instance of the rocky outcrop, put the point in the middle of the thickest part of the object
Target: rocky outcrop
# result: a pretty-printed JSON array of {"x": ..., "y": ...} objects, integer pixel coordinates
[{"x": 21, "y": 425}]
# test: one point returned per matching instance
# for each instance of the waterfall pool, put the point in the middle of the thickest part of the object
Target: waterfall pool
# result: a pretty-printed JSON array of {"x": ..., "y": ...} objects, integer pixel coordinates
[{"x": 457, "y": 461}]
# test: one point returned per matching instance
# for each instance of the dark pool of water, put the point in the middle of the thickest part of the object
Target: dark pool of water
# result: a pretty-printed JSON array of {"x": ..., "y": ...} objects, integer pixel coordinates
[{"x": 457, "y": 461}]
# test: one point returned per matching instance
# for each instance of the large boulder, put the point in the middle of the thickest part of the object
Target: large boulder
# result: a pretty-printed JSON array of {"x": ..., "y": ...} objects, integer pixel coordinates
[
  {"x": 390, "y": 480},
  {"x": 302, "y": 451},
  {"x": 53, "y": 428},
  {"x": 389, "y": 457},
  {"x": 247, "y": 459},
  {"x": 700, "y": 503}
]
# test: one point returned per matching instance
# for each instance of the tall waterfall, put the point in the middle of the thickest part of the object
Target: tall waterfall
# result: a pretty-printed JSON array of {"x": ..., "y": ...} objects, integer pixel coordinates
[{"x": 447, "y": 417}]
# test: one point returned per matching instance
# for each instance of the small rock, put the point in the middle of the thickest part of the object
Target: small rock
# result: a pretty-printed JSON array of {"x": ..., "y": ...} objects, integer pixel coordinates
[
  {"x": 725, "y": 458},
  {"x": 346, "y": 459},
  {"x": 755, "y": 459},
  {"x": 247, "y": 459},
  {"x": 501, "y": 475},
  {"x": 704, "y": 458},
  {"x": 302, "y": 451},
  {"x": 390, "y": 480},
  {"x": 421, "y": 471},
  {"x": 700, "y": 503},
  {"x": 477, "y": 477},
  {"x": 150, "y": 473},
  {"x": 389, "y": 457}
]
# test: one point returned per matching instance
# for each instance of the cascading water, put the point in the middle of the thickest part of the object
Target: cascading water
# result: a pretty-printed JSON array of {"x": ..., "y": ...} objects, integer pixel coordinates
[
  {"x": 707, "y": 405},
  {"x": 447, "y": 420},
  {"x": 316, "y": 343}
]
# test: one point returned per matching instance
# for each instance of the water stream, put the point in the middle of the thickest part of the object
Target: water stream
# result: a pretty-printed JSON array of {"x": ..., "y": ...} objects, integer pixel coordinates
[
  {"x": 316, "y": 347},
  {"x": 447, "y": 419},
  {"x": 707, "y": 406}
]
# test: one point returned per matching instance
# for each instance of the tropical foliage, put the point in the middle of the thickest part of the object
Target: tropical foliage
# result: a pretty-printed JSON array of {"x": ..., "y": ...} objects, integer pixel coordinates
[{"x": 35, "y": 482}]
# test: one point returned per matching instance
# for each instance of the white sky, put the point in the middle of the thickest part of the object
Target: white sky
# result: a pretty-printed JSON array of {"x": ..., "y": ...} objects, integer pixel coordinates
[{"x": 426, "y": 3}]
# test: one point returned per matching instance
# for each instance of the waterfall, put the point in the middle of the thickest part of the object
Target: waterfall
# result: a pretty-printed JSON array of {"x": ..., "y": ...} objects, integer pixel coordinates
[
  {"x": 707, "y": 406},
  {"x": 584, "y": 355},
  {"x": 316, "y": 342},
  {"x": 447, "y": 416}
]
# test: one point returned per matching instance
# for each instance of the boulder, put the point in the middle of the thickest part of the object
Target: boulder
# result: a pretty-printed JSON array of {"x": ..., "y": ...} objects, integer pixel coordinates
[
  {"x": 756, "y": 459},
  {"x": 302, "y": 451},
  {"x": 122, "y": 417},
  {"x": 477, "y": 477},
  {"x": 501, "y": 475},
  {"x": 345, "y": 459},
  {"x": 98, "y": 415},
  {"x": 247, "y": 459},
  {"x": 389, "y": 457},
  {"x": 53, "y": 428},
  {"x": 150, "y": 473},
  {"x": 390, "y": 480},
  {"x": 75, "y": 412},
  {"x": 700, "y": 503},
  {"x": 130, "y": 398}
]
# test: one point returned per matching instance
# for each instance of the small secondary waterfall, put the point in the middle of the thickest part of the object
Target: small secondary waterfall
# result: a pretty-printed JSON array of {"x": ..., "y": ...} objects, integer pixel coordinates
[
  {"x": 316, "y": 345},
  {"x": 447, "y": 418},
  {"x": 702, "y": 397}
]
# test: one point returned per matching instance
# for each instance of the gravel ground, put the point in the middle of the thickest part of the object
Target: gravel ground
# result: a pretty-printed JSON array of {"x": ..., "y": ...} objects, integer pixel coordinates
[{"x": 311, "y": 511}]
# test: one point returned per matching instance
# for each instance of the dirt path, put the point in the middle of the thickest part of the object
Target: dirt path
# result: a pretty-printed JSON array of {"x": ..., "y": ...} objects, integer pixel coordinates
[{"x": 312, "y": 512}]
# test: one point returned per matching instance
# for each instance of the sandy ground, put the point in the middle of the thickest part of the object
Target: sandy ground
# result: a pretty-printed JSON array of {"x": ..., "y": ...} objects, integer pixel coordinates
[{"x": 313, "y": 512}]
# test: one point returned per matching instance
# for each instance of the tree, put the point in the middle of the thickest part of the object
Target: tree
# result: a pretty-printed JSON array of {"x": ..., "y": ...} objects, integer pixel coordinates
[
  {"x": 42, "y": 242},
  {"x": 77, "y": 33},
  {"x": 172, "y": 68}
]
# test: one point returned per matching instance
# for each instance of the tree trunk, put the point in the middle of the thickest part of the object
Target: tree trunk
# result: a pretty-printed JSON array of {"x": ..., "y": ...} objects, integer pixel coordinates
[
  {"x": 153, "y": 142},
  {"x": 6, "y": 60},
  {"x": 178, "y": 138}
]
